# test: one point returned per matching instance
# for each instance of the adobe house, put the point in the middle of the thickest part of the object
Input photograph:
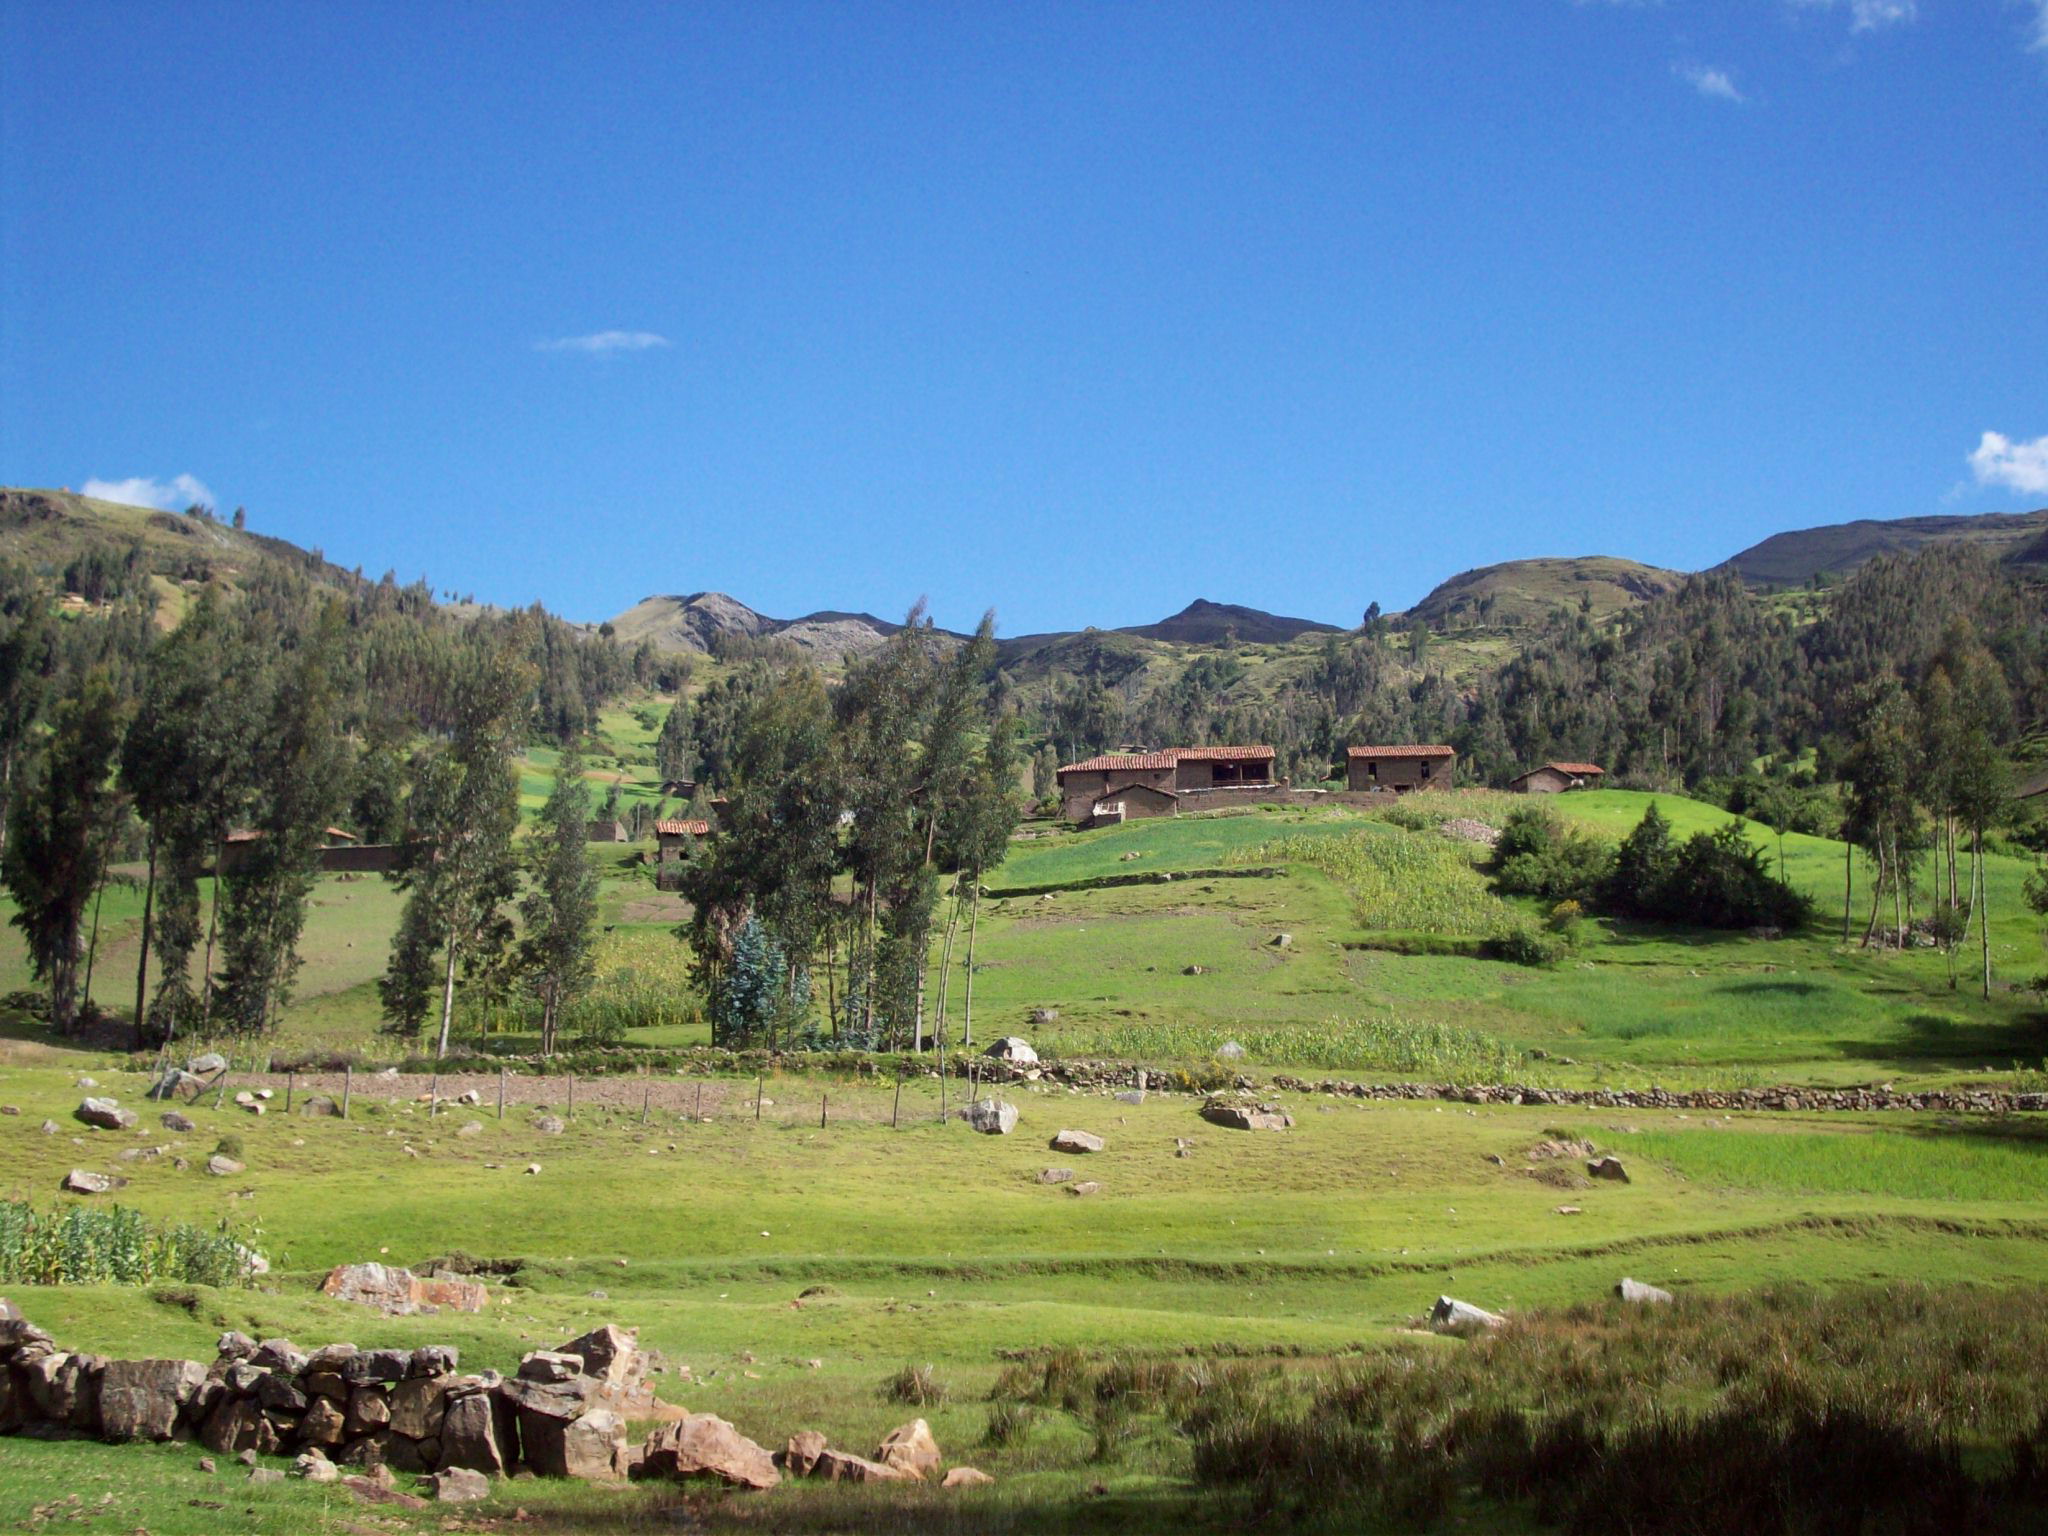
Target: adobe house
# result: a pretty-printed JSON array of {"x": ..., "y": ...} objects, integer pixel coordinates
[
  {"x": 1131, "y": 803},
  {"x": 674, "y": 839},
  {"x": 1399, "y": 769},
  {"x": 1168, "y": 777},
  {"x": 335, "y": 843},
  {"x": 1556, "y": 778},
  {"x": 607, "y": 830}
]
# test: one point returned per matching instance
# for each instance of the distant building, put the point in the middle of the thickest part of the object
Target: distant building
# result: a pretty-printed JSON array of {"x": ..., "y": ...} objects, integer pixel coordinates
[
  {"x": 1197, "y": 777},
  {"x": 1399, "y": 769},
  {"x": 607, "y": 829},
  {"x": 1556, "y": 778},
  {"x": 674, "y": 839}
]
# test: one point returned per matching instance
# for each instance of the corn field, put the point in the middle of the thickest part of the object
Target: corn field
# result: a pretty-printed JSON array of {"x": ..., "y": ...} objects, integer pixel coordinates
[
  {"x": 1413, "y": 882},
  {"x": 102, "y": 1245},
  {"x": 1411, "y": 1049}
]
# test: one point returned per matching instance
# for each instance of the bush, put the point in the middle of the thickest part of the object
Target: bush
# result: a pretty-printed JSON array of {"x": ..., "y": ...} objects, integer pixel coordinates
[
  {"x": 229, "y": 1145},
  {"x": 1519, "y": 944},
  {"x": 1537, "y": 855},
  {"x": 98, "y": 1245},
  {"x": 916, "y": 1385}
]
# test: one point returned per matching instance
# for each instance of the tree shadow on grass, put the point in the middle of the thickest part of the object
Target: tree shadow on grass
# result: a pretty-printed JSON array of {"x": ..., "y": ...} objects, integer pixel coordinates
[{"x": 1935, "y": 1039}]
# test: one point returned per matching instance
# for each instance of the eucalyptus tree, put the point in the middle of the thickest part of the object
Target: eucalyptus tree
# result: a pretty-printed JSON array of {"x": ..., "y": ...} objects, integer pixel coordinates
[{"x": 560, "y": 905}]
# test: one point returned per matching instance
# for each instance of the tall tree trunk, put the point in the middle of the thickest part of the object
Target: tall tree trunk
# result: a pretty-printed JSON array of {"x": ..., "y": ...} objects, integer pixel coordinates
[
  {"x": 967, "y": 987},
  {"x": 1898, "y": 901},
  {"x": 99, "y": 892},
  {"x": 447, "y": 996},
  {"x": 212, "y": 916},
  {"x": 867, "y": 1000},
  {"x": 1983, "y": 903},
  {"x": 142, "y": 965},
  {"x": 946, "y": 956},
  {"x": 1848, "y": 886}
]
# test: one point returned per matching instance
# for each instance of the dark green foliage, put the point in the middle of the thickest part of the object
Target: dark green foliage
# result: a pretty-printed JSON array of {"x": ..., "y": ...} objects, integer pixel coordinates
[
  {"x": 755, "y": 993},
  {"x": 59, "y": 825},
  {"x": 1537, "y": 855},
  {"x": 113, "y": 1245},
  {"x": 560, "y": 907}
]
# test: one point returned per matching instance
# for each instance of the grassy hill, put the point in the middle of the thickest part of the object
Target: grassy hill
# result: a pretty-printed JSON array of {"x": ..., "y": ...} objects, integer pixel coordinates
[
  {"x": 1789, "y": 559},
  {"x": 1518, "y": 593}
]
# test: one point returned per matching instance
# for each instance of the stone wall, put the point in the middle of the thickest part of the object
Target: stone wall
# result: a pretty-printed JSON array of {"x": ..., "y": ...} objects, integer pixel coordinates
[{"x": 563, "y": 1415}]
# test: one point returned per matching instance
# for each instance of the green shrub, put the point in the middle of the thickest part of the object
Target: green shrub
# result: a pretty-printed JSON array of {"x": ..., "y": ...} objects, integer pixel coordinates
[
  {"x": 1520, "y": 944},
  {"x": 229, "y": 1145},
  {"x": 1009, "y": 1422},
  {"x": 1537, "y": 855},
  {"x": 917, "y": 1385},
  {"x": 111, "y": 1244}
]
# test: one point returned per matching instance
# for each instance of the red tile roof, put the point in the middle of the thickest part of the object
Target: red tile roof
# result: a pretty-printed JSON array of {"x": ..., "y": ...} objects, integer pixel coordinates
[
  {"x": 682, "y": 829},
  {"x": 1217, "y": 754},
  {"x": 1122, "y": 762},
  {"x": 1408, "y": 750},
  {"x": 1580, "y": 770}
]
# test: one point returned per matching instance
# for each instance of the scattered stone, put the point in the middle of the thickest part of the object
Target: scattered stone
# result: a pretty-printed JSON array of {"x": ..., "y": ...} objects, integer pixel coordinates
[
  {"x": 1055, "y": 1175},
  {"x": 704, "y": 1445},
  {"x": 802, "y": 1452},
  {"x": 472, "y": 1128},
  {"x": 177, "y": 1123},
  {"x": 315, "y": 1468},
  {"x": 1246, "y": 1117},
  {"x": 370, "y": 1491},
  {"x": 533, "y": 1167},
  {"x": 991, "y": 1117},
  {"x": 1045, "y": 1015},
  {"x": 1230, "y": 1050},
  {"x": 1194, "y": 970},
  {"x": 80, "y": 1181},
  {"x": 1569, "y": 1210},
  {"x": 550, "y": 1125},
  {"x": 1607, "y": 1168},
  {"x": 458, "y": 1485},
  {"x": 178, "y": 1085},
  {"x": 106, "y": 1115},
  {"x": 1077, "y": 1141},
  {"x": 320, "y": 1104},
  {"x": 221, "y": 1166},
  {"x": 1015, "y": 1050},
  {"x": 206, "y": 1464},
  {"x": 845, "y": 1467},
  {"x": 1450, "y": 1315},
  {"x": 1131, "y": 1096},
  {"x": 1282, "y": 941},
  {"x": 49, "y": 1127},
  {"x": 910, "y": 1448},
  {"x": 1638, "y": 1294},
  {"x": 1085, "y": 1187},
  {"x": 966, "y": 1477},
  {"x": 399, "y": 1292},
  {"x": 265, "y": 1475},
  {"x": 546, "y": 1365}
]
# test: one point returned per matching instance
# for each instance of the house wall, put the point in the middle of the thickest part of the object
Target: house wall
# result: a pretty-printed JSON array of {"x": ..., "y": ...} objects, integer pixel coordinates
[
  {"x": 1079, "y": 791},
  {"x": 1200, "y": 773},
  {"x": 1541, "y": 781},
  {"x": 1400, "y": 774},
  {"x": 1141, "y": 800}
]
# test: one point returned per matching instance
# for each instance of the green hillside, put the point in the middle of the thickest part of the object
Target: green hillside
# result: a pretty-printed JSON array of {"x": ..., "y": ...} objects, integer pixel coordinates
[
  {"x": 1835, "y": 549},
  {"x": 1519, "y": 593}
]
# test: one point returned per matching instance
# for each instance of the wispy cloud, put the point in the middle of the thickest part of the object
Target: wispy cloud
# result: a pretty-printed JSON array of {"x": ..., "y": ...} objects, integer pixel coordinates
[
  {"x": 607, "y": 343},
  {"x": 2038, "y": 40},
  {"x": 1867, "y": 15},
  {"x": 173, "y": 495},
  {"x": 1998, "y": 460},
  {"x": 1716, "y": 84}
]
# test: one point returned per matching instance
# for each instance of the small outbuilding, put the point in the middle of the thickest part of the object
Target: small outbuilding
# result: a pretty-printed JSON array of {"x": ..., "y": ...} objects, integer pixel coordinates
[
  {"x": 1556, "y": 778},
  {"x": 607, "y": 829},
  {"x": 1399, "y": 769}
]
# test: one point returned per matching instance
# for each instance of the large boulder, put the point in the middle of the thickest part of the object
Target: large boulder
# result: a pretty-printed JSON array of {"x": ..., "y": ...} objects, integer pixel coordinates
[
  {"x": 232, "y": 1426},
  {"x": 1246, "y": 1117},
  {"x": 221, "y": 1166},
  {"x": 1450, "y": 1315},
  {"x": 208, "y": 1064},
  {"x": 845, "y": 1467},
  {"x": 1077, "y": 1141},
  {"x": 549, "y": 1365},
  {"x": 140, "y": 1399},
  {"x": 910, "y": 1448},
  {"x": 178, "y": 1086},
  {"x": 704, "y": 1445},
  {"x": 106, "y": 1115},
  {"x": 82, "y": 1181},
  {"x": 401, "y": 1293},
  {"x": 608, "y": 1354},
  {"x": 470, "y": 1436},
  {"x": 1635, "y": 1293},
  {"x": 1607, "y": 1168},
  {"x": 802, "y": 1453},
  {"x": 966, "y": 1477},
  {"x": 992, "y": 1117},
  {"x": 458, "y": 1485},
  {"x": 1013, "y": 1049},
  {"x": 594, "y": 1446},
  {"x": 418, "y": 1406}
]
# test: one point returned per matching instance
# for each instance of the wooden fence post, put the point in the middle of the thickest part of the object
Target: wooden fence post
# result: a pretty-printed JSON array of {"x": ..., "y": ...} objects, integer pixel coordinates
[
  {"x": 646, "y": 1097},
  {"x": 348, "y": 1084},
  {"x": 896, "y": 1107},
  {"x": 434, "y": 1093},
  {"x": 700, "y": 1104},
  {"x": 758, "y": 1083},
  {"x": 226, "y": 1072},
  {"x": 501, "y": 1093},
  {"x": 291, "y": 1079},
  {"x": 572, "y": 1095},
  {"x": 822, "y": 1099}
]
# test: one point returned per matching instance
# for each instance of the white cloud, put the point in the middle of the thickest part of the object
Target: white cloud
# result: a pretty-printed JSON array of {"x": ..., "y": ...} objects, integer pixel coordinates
[
  {"x": 1715, "y": 83},
  {"x": 1867, "y": 15},
  {"x": 2039, "y": 42},
  {"x": 1998, "y": 460},
  {"x": 173, "y": 495},
  {"x": 605, "y": 343}
]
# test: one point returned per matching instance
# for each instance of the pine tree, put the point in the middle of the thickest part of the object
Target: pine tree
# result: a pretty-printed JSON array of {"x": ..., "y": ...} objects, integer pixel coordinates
[{"x": 560, "y": 906}]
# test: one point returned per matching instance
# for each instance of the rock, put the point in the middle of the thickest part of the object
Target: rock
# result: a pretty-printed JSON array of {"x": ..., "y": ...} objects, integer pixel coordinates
[
  {"x": 221, "y": 1166},
  {"x": 1014, "y": 1049},
  {"x": 320, "y": 1104},
  {"x": 546, "y": 1365},
  {"x": 471, "y": 1128},
  {"x": 458, "y": 1485},
  {"x": 324, "y": 1424},
  {"x": 1246, "y": 1117},
  {"x": 417, "y": 1406},
  {"x": 231, "y": 1426},
  {"x": 966, "y": 1477},
  {"x": 1055, "y": 1175},
  {"x": 369, "y": 1410},
  {"x": 1450, "y": 1315},
  {"x": 1077, "y": 1141},
  {"x": 433, "y": 1360},
  {"x": 560, "y": 1400},
  {"x": 1608, "y": 1168},
  {"x": 371, "y": 1492},
  {"x": 371, "y": 1365},
  {"x": 1085, "y": 1187},
  {"x": 207, "y": 1064},
  {"x": 991, "y": 1117},
  {"x": 1282, "y": 941},
  {"x": 279, "y": 1355},
  {"x": 400, "y": 1292},
  {"x": 1045, "y": 1015},
  {"x": 1638, "y": 1294},
  {"x": 49, "y": 1127},
  {"x": 106, "y": 1115},
  {"x": 206, "y": 1464},
  {"x": 1131, "y": 1096},
  {"x": 179, "y": 1086},
  {"x": 81, "y": 1182},
  {"x": 704, "y": 1445},
  {"x": 911, "y": 1448},
  {"x": 470, "y": 1436},
  {"x": 140, "y": 1399},
  {"x": 1230, "y": 1050},
  {"x": 845, "y": 1467},
  {"x": 177, "y": 1123},
  {"x": 803, "y": 1451},
  {"x": 1194, "y": 970},
  {"x": 315, "y": 1468},
  {"x": 594, "y": 1446},
  {"x": 265, "y": 1475},
  {"x": 549, "y": 1125},
  {"x": 235, "y": 1346},
  {"x": 279, "y": 1394}
]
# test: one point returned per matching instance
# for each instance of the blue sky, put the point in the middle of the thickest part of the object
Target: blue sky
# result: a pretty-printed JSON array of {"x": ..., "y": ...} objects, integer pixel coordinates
[{"x": 1079, "y": 312}]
